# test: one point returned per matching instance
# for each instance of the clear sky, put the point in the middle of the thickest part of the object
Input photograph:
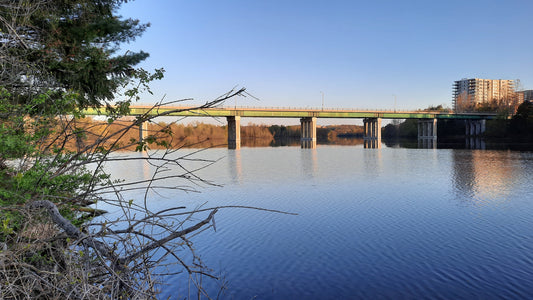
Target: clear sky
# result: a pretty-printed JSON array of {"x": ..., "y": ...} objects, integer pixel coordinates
[{"x": 359, "y": 54}]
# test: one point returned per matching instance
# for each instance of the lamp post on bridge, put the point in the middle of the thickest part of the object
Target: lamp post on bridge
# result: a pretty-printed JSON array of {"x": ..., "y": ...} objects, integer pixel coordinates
[{"x": 322, "y": 100}]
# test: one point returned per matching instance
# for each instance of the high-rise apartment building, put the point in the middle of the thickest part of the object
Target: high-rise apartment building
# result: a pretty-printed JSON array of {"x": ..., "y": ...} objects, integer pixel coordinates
[{"x": 469, "y": 93}]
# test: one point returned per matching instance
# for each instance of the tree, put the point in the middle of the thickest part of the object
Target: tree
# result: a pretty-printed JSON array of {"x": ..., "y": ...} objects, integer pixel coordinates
[
  {"x": 409, "y": 128},
  {"x": 464, "y": 102},
  {"x": 522, "y": 121},
  {"x": 63, "y": 46},
  {"x": 390, "y": 131},
  {"x": 59, "y": 57}
]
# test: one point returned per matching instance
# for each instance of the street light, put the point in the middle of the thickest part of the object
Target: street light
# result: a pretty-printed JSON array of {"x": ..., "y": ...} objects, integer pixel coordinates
[{"x": 322, "y": 100}]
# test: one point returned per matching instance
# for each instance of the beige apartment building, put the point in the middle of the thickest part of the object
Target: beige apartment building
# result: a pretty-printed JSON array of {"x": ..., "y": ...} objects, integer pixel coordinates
[{"x": 469, "y": 94}]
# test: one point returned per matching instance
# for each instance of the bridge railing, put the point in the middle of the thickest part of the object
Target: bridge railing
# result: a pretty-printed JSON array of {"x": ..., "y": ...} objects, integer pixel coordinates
[
  {"x": 327, "y": 109},
  {"x": 296, "y": 108}
]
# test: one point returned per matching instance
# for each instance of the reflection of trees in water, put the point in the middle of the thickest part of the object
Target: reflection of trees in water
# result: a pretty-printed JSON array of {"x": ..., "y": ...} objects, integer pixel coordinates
[
  {"x": 282, "y": 142},
  {"x": 400, "y": 143},
  {"x": 256, "y": 142},
  {"x": 336, "y": 141},
  {"x": 344, "y": 141}
]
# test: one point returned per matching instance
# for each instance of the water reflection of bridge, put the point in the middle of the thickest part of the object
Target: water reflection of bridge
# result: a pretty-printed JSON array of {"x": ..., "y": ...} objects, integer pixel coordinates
[{"x": 427, "y": 120}]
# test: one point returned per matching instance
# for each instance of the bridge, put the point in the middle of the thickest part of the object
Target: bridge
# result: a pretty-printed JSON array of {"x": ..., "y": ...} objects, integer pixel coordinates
[{"x": 427, "y": 120}]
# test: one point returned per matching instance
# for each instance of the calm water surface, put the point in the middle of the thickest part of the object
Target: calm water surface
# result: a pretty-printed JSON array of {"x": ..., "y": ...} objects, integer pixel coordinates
[{"x": 387, "y": 223}]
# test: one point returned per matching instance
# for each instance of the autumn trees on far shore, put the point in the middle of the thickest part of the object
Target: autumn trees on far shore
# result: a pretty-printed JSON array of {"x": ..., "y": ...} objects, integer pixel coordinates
[{"x": 201, "y": 135}]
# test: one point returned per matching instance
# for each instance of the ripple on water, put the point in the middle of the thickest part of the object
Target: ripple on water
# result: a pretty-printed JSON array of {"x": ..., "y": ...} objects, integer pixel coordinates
[{"x": 388, "y": 224}]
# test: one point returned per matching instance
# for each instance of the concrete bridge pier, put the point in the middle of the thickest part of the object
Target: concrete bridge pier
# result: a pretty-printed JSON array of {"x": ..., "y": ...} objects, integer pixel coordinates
[
  {"x": 372, "y": 133},
  {"x": 143, "y": 131},
  {"x": 427, "y": 129},
  {"x": 474, "y": 127},
  {"x": 475, "y": 142},
  {"x": 427, "y": 144},
  {"x": 427, "y": 133},
  {"x": 234, "y": 132},
  {"x": 308, "y": 132},
  {"x": 372, "y": 144}
]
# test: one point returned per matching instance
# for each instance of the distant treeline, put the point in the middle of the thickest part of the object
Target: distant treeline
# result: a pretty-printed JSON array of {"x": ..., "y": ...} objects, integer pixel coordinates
[
  {"x": 324, "y": 133},
  {"x": 252, "y": 134},
  {"x": 210, "y": 135}
]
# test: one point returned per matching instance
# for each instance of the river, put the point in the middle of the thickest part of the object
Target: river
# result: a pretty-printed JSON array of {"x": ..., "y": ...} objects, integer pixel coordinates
[{"x": 390, "y": 223}]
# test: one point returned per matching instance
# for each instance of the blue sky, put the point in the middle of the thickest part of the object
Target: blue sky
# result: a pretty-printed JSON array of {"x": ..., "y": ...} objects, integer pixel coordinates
[{"x": 358, "y": 53}]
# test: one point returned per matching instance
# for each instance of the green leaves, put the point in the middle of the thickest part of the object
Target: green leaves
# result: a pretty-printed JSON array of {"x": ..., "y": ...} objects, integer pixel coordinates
[
  {"x": 42, "y": 181},
  {"x": 70, "y": 46},
  {"x": 6, "y": 228}
]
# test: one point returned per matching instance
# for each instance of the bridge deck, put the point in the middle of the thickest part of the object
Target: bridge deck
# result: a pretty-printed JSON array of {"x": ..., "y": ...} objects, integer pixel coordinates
[{"x": 288, "y": 112}]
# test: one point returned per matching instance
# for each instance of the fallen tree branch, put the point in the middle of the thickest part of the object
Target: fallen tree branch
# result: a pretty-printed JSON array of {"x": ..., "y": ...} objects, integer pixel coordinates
[
  {"x": 104, "y": 249},
  {"x": 72, "y": 231},
  {"x": 172, "y": 236}
]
